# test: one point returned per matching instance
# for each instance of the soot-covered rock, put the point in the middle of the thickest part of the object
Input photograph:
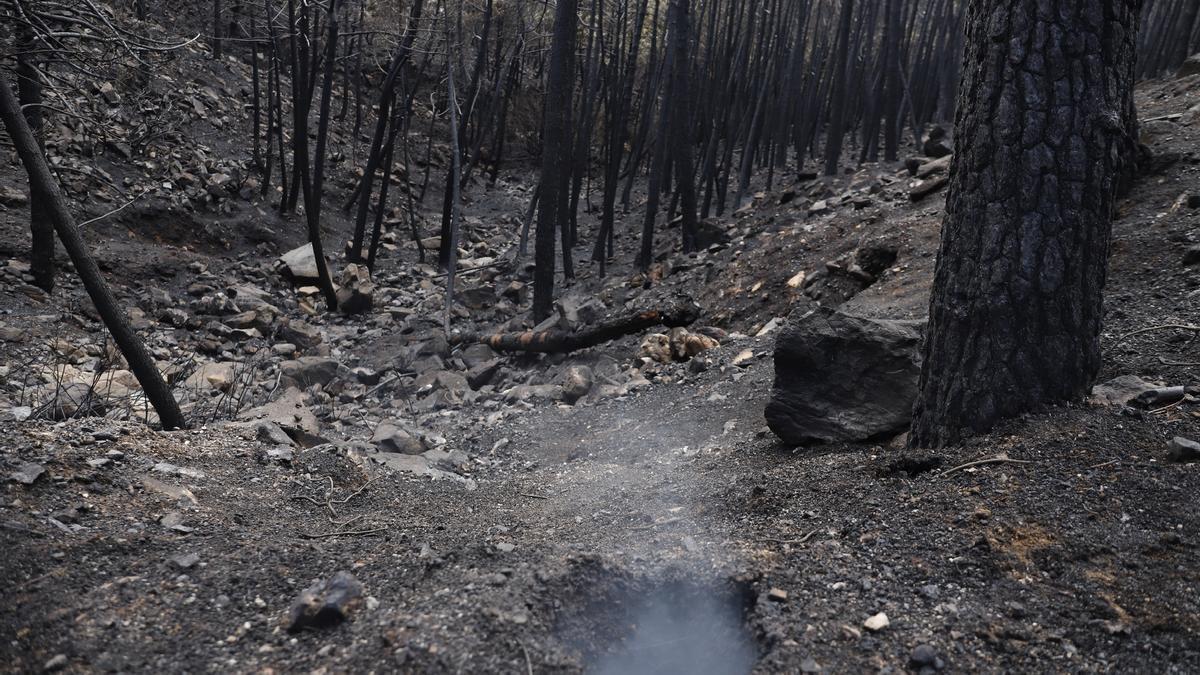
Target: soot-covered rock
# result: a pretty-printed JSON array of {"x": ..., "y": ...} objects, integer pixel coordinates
[{"x": 840, "y": 377}]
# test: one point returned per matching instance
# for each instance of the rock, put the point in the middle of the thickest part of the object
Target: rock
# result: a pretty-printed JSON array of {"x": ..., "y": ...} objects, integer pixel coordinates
[
  {"x": 17, "y": 413},
  {"x": 216, "y": 376},
  {"x": 58, "y": 662},
  {"x": 685, "y": 344},
  {"x": 840, "y": 377},
  {"x": 173, "y": 521},
  {"x": 356, "y": 293},
  {"x": 477, "y": 354},
  {"x": 1119, "y": 391},
  {"x": 925, "y": 657},
  {"x": 183, "y": 497},
  {"x": 392, "y": 438},
  {"x": 575, "y": 310},
  {"x": 442, "y": 380},
  {"x": 27, "y": 473},
  {"x": 307, "y": 371},
  {"x": 1183, "y": 450},
  {"x": 777, "y": 595},
  {"x": 484, "y": 373},
  {"x": 281, "y": 454},
  {"x": 656, "y": 346},
  {"x": 271, "y": 433},
  {"x": 711, "y": 233},
  {"x": 577, "y": 382},
  {"x": 935, "y": 144},
  {"x": 478, "y": 297},
  {"x": 300, "y": 265},
  {"x": 185, "y": 561},
  {"x": 12, "y": 197},
  {"x": 301, "y": 334},
  {"x": 110, "y": 93},
  {"x": 325, "y": 604},
  {"x": 877, "y": 622},
  {"x": 537, "y": 392},
  {"x": 173, "y": 317},
  {"x": 292, "y": 415},
  {"x": 516, "y": 292},
  {"x": 72, "y": 399},
  {"x": 1191, "y": 256},
  {"x": 1190, "y": 67},
  {"x": 743, "y": 358},
  {"x": 172, "y": 469}
]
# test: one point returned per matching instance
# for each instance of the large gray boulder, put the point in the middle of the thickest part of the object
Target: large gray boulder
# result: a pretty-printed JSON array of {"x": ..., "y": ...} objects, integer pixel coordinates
[{"x": 841, "y": 377}]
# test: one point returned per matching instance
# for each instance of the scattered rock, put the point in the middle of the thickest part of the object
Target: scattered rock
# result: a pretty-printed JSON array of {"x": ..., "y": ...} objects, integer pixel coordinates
[
  {"x": 537, "y": 392},
  {"x": 173, "y": 520},
  {"x": 877, "y": 622},
  {"x": 307, "y": 371},
  {"x": 743, "y": 358},
  {"x": 685, "y": 344},
  {"x": 301, "y": 334},
  {"x": 1183, "y": 450},
  {"x": 392, "y": 438},
  {"x": 840, "y": 377},
  {"x": 325, "y": 604},
  {"x": 300, "y": 265},
  {"x": 356, "y": 294},
  {"x": 182, "y": 496},
  {"x": 924, "y": 657},
  {"x": 27, "y": 473},
  {"x": 171, "y": 469},
  {"x": 657, "y": 347},
  {"x": 215, "y": 376},
  {"x": 291, "y": 414},
  {"x": 577, "y": 382},
  {"x": 185, "y": 561},
  {"x": 1119, "y": 391}
]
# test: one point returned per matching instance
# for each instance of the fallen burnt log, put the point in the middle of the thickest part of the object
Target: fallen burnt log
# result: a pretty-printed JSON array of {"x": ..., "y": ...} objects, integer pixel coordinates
[{"x": 681, "y": 313}]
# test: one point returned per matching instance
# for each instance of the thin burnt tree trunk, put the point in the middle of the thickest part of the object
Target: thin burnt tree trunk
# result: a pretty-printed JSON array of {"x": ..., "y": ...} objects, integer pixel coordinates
[
  {"x": 556, "y": 164},
  {"x": 135, "y": 353},
  {"x": 41, "y": 230},
  {"x": 678, "y": 16},
  {"x": 1016, "y": 306}
]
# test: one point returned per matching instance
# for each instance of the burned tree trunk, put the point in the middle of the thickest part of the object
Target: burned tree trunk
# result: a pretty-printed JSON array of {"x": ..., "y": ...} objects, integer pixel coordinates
[
  {"x": 1043, "y": 128},
  {"x": 140, "y": 361},
  {"x": 29, "y": 92},
  {"x": 556, "y": 164}
]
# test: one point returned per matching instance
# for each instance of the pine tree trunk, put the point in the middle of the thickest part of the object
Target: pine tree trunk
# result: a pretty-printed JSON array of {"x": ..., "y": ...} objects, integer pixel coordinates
[{"x": 1017, "y": 297}]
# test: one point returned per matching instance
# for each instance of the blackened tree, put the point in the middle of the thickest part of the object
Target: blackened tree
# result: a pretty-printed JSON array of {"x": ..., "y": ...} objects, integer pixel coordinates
[
  {"x": 1044, "y": 127},
  {"x": 556, "y": 162}
]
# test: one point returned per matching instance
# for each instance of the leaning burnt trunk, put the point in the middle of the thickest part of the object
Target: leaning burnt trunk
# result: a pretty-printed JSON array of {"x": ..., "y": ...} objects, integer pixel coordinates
[{"x": 1044, "y": 125}]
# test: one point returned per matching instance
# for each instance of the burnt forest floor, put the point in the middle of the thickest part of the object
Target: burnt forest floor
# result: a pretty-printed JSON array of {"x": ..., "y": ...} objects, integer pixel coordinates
[{"x": 660, "y": 523}]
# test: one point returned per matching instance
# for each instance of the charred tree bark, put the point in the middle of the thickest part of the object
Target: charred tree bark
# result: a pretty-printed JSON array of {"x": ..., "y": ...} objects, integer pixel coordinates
[
  {"x": 41, "y": 230},
  {"x": 140, "y": 361},
  {"x": 556, "y": 164},
  {"x": 681, "y": 313},
  {"x": 1043, "y": 128}
]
